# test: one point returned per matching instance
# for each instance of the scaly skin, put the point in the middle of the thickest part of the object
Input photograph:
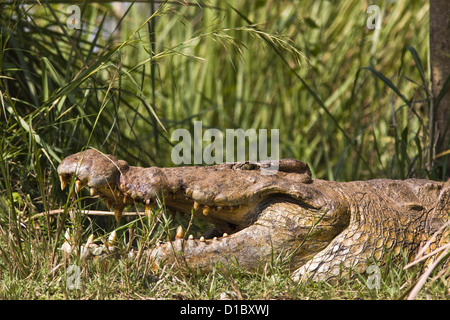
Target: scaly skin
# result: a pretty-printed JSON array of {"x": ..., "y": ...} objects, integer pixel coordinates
[{"x": 323, "y": 226}]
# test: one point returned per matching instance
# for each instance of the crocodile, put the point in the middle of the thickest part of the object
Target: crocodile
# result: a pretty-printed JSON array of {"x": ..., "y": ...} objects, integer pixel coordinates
[{"x": 324, "y": 228}]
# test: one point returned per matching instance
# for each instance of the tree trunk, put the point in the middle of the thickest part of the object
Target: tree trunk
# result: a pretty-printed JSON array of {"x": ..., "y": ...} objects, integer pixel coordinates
[{"x": 440, "y": 71}]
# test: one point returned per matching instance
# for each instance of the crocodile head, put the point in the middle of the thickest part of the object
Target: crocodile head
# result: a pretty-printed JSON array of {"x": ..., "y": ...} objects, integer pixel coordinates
[{"x": 255, "y": 215}]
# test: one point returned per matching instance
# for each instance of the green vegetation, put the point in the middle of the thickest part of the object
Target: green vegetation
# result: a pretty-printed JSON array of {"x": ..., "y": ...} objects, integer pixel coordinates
[{"x": 351, "y": 102}]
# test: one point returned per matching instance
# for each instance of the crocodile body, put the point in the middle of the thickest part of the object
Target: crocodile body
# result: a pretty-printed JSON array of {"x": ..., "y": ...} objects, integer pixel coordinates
[{"x": 324, "y": 227}]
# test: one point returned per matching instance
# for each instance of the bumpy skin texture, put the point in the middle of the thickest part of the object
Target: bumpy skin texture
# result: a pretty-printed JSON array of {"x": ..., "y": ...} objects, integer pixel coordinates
[{"x": 323, "y": 226}]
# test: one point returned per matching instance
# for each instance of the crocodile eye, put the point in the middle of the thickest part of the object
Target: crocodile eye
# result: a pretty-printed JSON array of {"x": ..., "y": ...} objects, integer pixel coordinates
[{"x": 249, "y": 166}]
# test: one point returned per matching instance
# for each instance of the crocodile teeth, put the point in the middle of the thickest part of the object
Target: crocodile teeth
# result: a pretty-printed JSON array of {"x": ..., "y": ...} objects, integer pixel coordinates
[
  {"x": 118, "y": 214},
  {"x": 206, "y": 210},
  {"x": 92, "y": 191},
  {"x": 202, "y": 239},
  {"x": 66, "y": 249},
  {"x": 112, "y": 238},
  {"x": 78, "y": 186},
  {"x": 191, "y": 237},
  {"x": 90, "y": 240},
  {"x": 63, "y": 182},
  {"x": 111, "y": 241},
  {"x": 67, "y": 235},
  {"x": 180, "y": 233},
  {"x": 84, "y": 250},
  {"x": 225, "y": 235},
  {"x": 196, "y": 205}
]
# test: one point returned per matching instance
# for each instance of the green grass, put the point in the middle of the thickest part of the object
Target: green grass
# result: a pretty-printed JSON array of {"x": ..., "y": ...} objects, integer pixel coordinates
[{"x": 351, "y": 102}]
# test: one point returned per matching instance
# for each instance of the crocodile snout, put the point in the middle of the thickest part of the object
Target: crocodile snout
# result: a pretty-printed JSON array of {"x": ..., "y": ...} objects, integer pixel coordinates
[
  {"x": 98, "y": 171},
  {"x": 92, "y": 169}
]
